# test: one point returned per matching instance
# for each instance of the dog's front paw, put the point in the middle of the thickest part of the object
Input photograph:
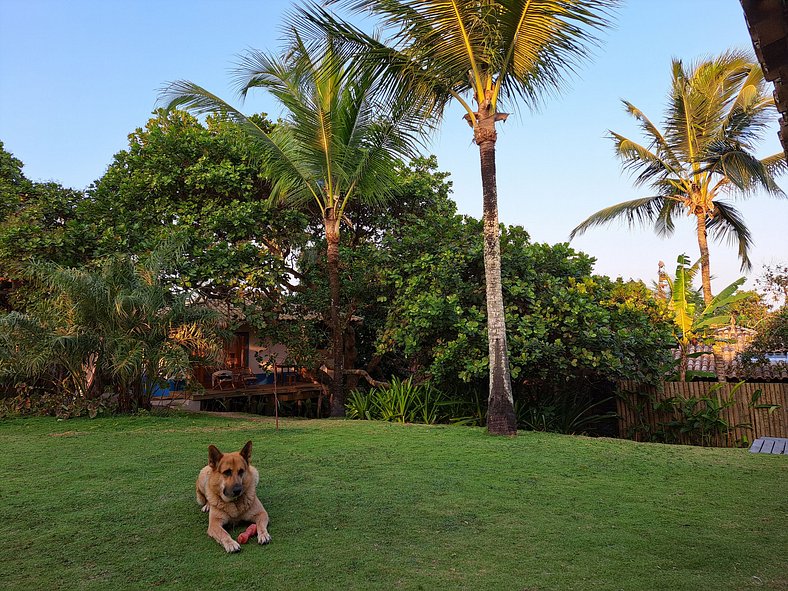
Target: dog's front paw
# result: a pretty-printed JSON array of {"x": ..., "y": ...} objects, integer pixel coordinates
[
  {"x": 263, "y": 537},
  {"x": 231, "y": 546}
]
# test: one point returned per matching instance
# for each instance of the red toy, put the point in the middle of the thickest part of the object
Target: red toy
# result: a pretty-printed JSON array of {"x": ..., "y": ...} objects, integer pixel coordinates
[{"x": 250, "y": 531}]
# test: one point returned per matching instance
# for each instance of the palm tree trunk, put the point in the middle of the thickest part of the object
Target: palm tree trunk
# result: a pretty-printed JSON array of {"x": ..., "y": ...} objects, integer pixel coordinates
[
  {"x": 500, "y": 408},
  {"x": 705, "y": 271},
  {"x": 331, "y": 223}
]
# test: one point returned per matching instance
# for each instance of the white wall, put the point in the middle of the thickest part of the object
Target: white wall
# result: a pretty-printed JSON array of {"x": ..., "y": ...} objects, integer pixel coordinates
[{"x": 277, "y": 353}]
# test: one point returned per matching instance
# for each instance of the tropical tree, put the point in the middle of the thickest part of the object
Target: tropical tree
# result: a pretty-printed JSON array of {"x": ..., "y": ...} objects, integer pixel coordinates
[
  {"x": 771, "y": 338},
  {"x": 717, "y": 111},
  {"x": 774, "y": 282},
  {"x": 479, "y": 54},
  {"x": 37, "y": 221},
  {"x": 568, "y": 327},
  {"x": 692, "y": 324},
  {"x": 116, "y": 328},
  {"x": 340, "y": 143},
  {"x": 199, "y": 185}
]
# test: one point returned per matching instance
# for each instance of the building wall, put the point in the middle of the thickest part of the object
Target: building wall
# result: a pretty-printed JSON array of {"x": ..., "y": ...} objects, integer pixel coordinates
[{"x": 268, "y": 353}]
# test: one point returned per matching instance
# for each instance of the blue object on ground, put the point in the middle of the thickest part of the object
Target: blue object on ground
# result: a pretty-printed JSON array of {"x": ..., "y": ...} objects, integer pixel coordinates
[
  {"x": 265, "y": 378},
  {"x": 770, "y": 445}
]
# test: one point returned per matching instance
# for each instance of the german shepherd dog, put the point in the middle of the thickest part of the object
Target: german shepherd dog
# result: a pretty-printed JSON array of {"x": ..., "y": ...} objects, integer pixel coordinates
[{"x": 226, "y": 490}]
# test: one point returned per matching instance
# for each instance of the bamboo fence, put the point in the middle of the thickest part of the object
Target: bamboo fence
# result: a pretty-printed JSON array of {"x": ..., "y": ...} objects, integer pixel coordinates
[{"x": 746, "y": 419}]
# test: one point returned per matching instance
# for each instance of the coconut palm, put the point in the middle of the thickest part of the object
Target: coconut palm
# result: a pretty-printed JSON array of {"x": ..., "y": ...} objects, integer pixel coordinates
[
  {"x": 480, "y": 54},
  {"x": 340, "y": 143},
  {"x": 716, "y": 112}
]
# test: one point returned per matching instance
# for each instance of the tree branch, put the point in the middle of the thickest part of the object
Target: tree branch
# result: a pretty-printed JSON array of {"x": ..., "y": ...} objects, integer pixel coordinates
[{"x": 357, "y": 372}]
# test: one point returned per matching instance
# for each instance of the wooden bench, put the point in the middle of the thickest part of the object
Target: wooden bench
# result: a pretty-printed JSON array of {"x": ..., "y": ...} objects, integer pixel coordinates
[{"x": 770, "y": 445}]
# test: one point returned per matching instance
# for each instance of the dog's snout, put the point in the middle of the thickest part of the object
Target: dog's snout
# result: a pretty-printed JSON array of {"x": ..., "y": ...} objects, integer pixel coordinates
[{"x": 237, "y": 490}]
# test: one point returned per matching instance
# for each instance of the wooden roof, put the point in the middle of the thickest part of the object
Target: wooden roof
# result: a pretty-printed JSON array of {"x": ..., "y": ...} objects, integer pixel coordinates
[{"x": 767, "y": 21}]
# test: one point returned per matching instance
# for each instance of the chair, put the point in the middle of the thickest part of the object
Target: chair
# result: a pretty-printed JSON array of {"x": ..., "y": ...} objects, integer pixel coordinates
[
  {"x": 286, "y": 374},
  {"x": 245, "y": 377},
  {"x": 221, "y": 378}
]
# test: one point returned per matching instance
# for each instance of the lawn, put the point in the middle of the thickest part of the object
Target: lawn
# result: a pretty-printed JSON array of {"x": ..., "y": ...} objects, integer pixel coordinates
[{"x": 109, "y": 504}]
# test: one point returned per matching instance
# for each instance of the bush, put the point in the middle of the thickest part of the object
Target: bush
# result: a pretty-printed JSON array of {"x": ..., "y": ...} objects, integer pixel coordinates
[
  {"x": 573, "y": 413},
  {"x": 29, "y": 401},
  {"x": 401, "y": 402},
  {"x": 114, "y": 329}
]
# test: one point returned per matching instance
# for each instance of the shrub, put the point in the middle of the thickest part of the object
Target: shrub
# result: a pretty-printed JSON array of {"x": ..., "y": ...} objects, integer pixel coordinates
[
  {"x": 402, "y": 402},
  {"x": 573, "y": 413},
  {"x": 114, "y": 329},
  {"x": 29, "y": 400}
]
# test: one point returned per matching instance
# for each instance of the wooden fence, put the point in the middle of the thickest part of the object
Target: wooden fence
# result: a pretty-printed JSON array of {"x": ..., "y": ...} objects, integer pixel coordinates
[{"x": 654, "y": 414}]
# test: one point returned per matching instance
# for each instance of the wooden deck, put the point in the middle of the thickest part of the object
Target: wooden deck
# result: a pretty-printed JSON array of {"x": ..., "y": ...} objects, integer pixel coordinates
[
  {"x": 284, "y": 393},
  {"x": 770, "y": 445}
]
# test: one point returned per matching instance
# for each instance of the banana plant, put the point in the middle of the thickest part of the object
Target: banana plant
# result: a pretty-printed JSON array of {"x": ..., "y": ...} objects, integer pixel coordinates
[{"x": 691, "y": 325}]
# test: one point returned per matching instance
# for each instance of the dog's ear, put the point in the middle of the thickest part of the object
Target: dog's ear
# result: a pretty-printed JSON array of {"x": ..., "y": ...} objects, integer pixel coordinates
[
  {"x": 214, "y": 456},
  {"x": 246, "y": 452}
]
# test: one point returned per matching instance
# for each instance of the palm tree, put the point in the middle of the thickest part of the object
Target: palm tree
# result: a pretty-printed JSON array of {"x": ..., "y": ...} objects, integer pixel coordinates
[
  {"x": 716, "y": 112},
  {"x": 339, "y": 144},
  {"x": 479, "y": 53},
  {"x": 116, "y": 327}
]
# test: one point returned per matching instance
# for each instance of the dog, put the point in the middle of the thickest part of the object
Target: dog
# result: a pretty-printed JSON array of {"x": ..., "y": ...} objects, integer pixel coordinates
[{"x": 226, "y": 490}]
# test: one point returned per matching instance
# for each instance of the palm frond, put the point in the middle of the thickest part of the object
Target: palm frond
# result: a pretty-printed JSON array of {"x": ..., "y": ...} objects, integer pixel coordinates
[
  {"x": 397, "y": 69},
  {"x": 443, "y": 49},
  {"x": 541, "y": 44},
  {"x": 664, "y": 224},
  {"x": 637, "y": 158},
  {"x": 658, "y": 141},
  {"x": 637, "y": 211},
  {"x": 727, "y": 224},
  {"x": 746, "y": 172},
  {"x": 776, "y": 164},
  {"x": 280, "y": 153}
]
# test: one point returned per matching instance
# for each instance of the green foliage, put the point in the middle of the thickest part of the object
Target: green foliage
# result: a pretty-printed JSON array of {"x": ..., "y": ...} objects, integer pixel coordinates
[
  {"x": 565, "y": 325},
  {"x": 751, "y": 311},
  {"x": 570, "y": 333},
  {"x": 401, "y": 402},
  {"x": 179, "y": 181},
  {"x": 202, "y": 187},
  {"x": 37, "y": 221},
  {"x": 772, "y": 336},
  {"x": 774, "y": 282},
  {"x": 692, "y": 324},
  {"x": 700, "y": 420},
  {"x": 30, "y": 400},
  {"x": 573, "y": 413},
  {"x": 116, "y": 329}
]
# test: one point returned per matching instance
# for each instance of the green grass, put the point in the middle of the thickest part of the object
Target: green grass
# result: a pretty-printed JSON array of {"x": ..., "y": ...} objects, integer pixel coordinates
[{"x": 109, "y": 504}]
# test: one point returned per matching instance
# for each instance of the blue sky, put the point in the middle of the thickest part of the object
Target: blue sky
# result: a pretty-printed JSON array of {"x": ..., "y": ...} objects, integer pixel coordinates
[{"x": 77, "y": 77}]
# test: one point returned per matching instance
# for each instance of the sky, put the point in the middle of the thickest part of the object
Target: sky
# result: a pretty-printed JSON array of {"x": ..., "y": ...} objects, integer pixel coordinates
[{"x": 77, "y": 77}]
